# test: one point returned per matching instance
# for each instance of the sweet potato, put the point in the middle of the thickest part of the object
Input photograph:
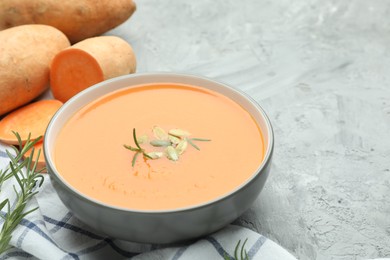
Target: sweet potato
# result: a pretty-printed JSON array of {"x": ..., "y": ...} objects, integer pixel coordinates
[
  {"x": 30, "y": 119},
  {"x": 26, "y": 52},
  {"x": 78, "y": 19},
  {"x": 89, "y": 62}
]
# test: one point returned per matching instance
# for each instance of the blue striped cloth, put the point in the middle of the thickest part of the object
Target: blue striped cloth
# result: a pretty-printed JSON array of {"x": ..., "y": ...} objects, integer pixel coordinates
[{"x": 52, "y": 232}]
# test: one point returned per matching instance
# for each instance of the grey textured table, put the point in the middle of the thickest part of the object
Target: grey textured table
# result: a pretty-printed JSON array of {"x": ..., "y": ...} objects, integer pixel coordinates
[{"x": 321, "y": 69}]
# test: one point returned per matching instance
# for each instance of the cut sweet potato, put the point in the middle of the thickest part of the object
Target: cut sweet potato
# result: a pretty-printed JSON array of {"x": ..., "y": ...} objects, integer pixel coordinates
[
  {"x": 31, "y": 119},
  {"x": 89, "y": 62}
]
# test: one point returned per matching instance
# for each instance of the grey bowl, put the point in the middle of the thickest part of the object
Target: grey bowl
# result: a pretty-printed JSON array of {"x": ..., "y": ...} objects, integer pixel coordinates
[{"x": 163, "y": 226}]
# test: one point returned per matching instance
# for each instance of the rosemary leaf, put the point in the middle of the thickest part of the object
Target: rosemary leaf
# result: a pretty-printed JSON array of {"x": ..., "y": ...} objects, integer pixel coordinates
[
  {"x": 192, "y": 143},
  {"x": 200, "y": 139},
  {"x": 236, "y": 249},
  {"x": 239, "y": 252},
  {"x": 148, "y": 156},
  {"x": 135, "y": 140},
  {"x": 131, "y": 148},
  {"x": 134, "y": 158},
  {"x": 3, "y": 204},
  {"x": 244, "y": 254}
]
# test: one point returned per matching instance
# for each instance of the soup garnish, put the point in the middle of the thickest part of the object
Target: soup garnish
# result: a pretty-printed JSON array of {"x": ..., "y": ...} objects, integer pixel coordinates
[{"x": 174, "y": 142}]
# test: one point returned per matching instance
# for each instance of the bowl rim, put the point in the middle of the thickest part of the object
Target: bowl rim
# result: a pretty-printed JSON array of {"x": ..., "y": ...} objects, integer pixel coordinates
[{"x": 53, "y": 173}]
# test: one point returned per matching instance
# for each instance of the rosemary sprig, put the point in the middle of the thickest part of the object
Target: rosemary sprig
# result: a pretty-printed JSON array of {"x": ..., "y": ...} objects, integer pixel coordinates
[
  {"x": 138, "y": 150},
  {"x": 6, "y": 173},
  {"x": 243, "y": 253},
  {"x": 27, "y": 183}
]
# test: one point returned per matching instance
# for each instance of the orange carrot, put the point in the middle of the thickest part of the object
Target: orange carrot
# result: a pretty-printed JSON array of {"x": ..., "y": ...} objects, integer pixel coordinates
[
  {"x": 30, "y": 119},
  {"x": 89, "y": 62},
  {"x": 26, "y": 52},
  {"x": 41, "y": 160}
]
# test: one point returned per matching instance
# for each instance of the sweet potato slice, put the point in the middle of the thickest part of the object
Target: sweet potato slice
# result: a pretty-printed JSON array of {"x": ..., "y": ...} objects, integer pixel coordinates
[{"x": 31, "y": 119}]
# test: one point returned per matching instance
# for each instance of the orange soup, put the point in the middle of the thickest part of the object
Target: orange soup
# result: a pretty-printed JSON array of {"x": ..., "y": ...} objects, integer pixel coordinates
[{"x": 90, "y": 154}]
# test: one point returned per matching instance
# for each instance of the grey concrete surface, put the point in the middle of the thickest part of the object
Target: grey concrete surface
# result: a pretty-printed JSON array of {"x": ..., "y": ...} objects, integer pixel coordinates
[{"x": 321, "y": 69}]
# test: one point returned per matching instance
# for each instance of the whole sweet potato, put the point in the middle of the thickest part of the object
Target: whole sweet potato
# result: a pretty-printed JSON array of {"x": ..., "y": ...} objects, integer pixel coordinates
[
  {"x": 26, "y": 52},
  {"x": 77, "y": 19}
]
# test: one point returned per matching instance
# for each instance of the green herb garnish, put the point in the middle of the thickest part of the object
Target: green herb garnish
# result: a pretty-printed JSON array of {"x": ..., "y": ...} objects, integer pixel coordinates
[
  {"x": 27, "y": 183},
  {"x": 243, "y": 253},
  {"x": 138, "y": 150}
]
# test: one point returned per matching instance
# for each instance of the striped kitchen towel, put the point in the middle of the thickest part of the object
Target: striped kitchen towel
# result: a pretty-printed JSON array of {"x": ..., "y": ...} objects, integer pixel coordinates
[{"x": 52, "y": 232}]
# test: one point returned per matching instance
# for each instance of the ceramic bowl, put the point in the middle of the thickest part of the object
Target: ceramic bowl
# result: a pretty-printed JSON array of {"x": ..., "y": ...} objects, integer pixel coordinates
[{"x": 162, "y": 226}]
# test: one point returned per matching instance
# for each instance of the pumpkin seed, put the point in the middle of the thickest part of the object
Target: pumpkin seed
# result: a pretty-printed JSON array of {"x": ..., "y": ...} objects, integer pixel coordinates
[
  {"x": 179, "y": 132},
  {"x": 181, "y": 147},
  {"x": 172, "y": 153},
  {"x": 142, "y": 139},
  {"x": 154, "y": 155},
  {"x": 174, "y": 139},
  {"x": 159, "y": 143},
  {"x": 160, "y": 133}
]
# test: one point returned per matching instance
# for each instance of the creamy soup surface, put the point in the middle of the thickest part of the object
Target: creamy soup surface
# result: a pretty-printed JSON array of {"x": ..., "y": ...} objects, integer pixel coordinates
[{"x": 90, "y": 155}]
